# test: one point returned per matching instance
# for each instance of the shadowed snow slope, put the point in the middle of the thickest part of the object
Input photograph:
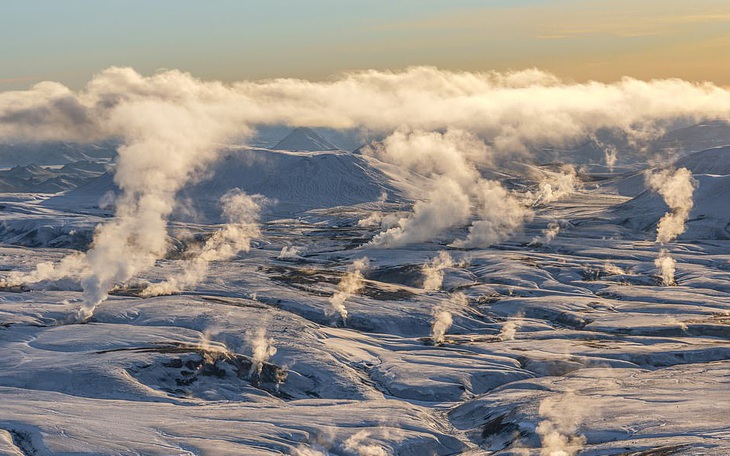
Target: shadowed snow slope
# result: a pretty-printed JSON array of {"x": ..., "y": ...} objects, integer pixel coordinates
[
  {"x": 551, "y": 346},
  {"x": 592, "y": 153},
  {"x": 711, "y": 161},
  {"x": 304, "y": 139},
  {"x": 297, "y": 181},
  {"x": 37, "y": 179},
  {"x": 710, "y": 216},
  {"x": 695, "y": 137},
  {"x": 53, "y": 153}
]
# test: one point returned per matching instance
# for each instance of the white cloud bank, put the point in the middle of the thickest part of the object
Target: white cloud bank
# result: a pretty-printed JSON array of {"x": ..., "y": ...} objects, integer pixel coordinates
[{"x": 170, "y": 124}]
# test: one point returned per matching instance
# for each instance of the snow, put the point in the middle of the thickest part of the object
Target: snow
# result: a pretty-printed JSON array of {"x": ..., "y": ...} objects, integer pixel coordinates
[
  {"x": 48, "y": 179},
  {"x": 53, "y": 153},
  {"x": 292, "y": 181},
  {"x": 599, "y": 353},
  {"x": 710, "y": 216},
  {"x": 303, "y": 139},
  {"x": 590, "y": 153}
]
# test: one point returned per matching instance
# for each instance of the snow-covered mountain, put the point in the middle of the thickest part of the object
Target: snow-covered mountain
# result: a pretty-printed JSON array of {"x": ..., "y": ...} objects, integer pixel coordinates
[
  {"x": 710, "y": 215},
  {"x": 37, "y": 179},
  {"x": 303, "y": 139},
  {"x": 560, "y": 340},
  {"x": 54, "y": 153},
  {"x": 676, "y": 143},
  {"x": 293, "y": 182},
  {"x": 694, "y": 138}
]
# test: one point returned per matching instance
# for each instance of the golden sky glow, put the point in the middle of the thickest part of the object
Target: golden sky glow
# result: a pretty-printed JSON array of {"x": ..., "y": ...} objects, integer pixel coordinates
[
  {"x": 603, "y": 40},
  {"x": 232, "y": 40}
]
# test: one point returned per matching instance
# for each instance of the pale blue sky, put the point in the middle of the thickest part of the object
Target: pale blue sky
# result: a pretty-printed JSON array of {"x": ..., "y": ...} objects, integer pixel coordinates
[{"x": 69, "y": 40}]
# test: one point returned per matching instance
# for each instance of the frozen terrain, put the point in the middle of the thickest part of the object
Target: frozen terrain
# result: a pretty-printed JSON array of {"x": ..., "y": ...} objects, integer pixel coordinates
[
  {"x": 576, "y": 335},
  {"x": 424, "y": 294}
]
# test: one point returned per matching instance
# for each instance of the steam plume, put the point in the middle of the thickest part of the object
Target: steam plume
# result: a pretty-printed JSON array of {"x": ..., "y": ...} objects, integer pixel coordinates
[
  {"x": 442, "y": 321},
  {"x": 676, "y": 187},
  {"x": 548, "y": 234},
  {"x": 378, "y": 219},
  {"x": 446, "y": 206},
  {"x": 355, "y": 444},
  {"x": 207, "y": 342},
  {"x": 373, "y": 219},
  {"x": 558, "y": 430},
  {"x": 610, "y": 153},
  {"x": 510, "y": 327},
  {"x": 262, "y": 349},
  {"x": 611, "y": 157},
  {"x": 455, "y": 189},
  {"x": 170, "y": 124},
  {"x": 72, "y": 265},
  {"x": 611, "y": 269},
  {"x": 305, "y": 451},
  {"x": 351, "y": 283},
  {"x": 554, "y": 186},
  {"x": 667, "y": 266},
  {"x": 433, "y": 271},
  {"x": 241, "y": 212},
  {"x": 290, "y": 252},
  {"x": 499, "y": 214}
]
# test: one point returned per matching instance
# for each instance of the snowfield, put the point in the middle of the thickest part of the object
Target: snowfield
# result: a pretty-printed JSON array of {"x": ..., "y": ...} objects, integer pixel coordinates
[{"x": 560, "y": 339}]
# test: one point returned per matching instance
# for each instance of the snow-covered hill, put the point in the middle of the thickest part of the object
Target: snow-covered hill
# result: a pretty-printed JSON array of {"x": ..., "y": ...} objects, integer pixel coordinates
[
  {"x": 303, "y": 139},
  {"x": 54, "y": 153},
  {"x": 710, "y": 215},
  {"x": 694, "y": 138},
  {"x": 293, "y": 181},
  {"x": 37, "y": 179},
  {"x": 559, "y": 340},
  {"x": 592, "y": 152}
]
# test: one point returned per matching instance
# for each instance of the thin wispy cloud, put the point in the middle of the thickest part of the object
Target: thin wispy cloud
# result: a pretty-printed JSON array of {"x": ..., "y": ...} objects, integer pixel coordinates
[
  {"x": 20, "y": 79},
  {"x": 570, "y": 18},
  {"x": 600, "y": 39}
]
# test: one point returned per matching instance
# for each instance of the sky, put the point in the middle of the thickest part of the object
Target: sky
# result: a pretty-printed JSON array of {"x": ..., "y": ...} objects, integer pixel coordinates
[{"x": 69, "y": 41}]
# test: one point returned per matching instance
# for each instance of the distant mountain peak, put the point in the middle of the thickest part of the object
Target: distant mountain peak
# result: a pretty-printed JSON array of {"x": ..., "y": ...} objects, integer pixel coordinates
[{"x": 304, "y": 139}]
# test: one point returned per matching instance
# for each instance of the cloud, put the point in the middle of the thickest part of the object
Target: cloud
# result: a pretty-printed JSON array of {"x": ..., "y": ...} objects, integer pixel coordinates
[
  {"x": 171, "y": 124},
  {"x": 558, "y": 430},
  {"x": 514, "y": 108},
  {"x": 677, "y": 188},
  {"x": 499, "y": 214},
  {"x": 352, "y": 282},
  {"x": 433, "y": 271},
  {"x": 446, "y": 206},
  {"x": 454, "y": 189},
  {"x": 573, "y": 18},
  {"x": 241, "y": 212}
]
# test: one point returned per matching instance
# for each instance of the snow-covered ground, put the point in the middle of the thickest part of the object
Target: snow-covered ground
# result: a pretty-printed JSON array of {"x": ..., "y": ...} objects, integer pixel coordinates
[{"x": 557, "y": 344}]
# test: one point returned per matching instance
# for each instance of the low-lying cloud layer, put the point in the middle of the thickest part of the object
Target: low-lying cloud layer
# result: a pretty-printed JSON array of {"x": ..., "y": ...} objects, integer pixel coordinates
[{"x": 446, "y": 124}]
